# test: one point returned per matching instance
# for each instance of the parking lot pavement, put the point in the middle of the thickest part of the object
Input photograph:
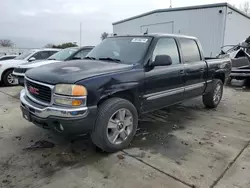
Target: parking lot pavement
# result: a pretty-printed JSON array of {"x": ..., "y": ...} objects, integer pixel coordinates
[{"x": 181, "y": 146}]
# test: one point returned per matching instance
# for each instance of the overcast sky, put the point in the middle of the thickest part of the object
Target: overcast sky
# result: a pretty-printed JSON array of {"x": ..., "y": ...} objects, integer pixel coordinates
[{"x": 34, "y": 23}]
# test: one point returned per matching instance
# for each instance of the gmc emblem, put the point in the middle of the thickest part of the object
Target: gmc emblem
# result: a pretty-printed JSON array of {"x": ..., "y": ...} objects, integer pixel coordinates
[{"x": 33, "y": 90}]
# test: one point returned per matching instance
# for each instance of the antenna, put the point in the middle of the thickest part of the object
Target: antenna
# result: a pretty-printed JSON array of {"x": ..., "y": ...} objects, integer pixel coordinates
[
  {"x": 80, "y": 34},
  {"x": 170, "y": 4},
  {"x": 146, "y": 32}
]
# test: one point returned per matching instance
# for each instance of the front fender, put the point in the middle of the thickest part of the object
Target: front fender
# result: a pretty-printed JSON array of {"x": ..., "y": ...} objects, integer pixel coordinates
[{"x": 121, "y": 87}]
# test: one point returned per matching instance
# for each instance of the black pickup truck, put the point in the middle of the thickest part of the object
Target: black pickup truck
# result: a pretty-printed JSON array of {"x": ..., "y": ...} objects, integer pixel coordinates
[{"x": 120, "y": 79}]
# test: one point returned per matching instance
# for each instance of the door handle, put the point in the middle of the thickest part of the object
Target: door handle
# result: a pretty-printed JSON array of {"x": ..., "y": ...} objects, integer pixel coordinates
[{"x": 182, "y": 72}]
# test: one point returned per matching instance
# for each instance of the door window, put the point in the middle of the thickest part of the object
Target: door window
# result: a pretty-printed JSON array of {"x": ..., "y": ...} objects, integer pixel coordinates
[
  {"x": 52, "y": 53},
  {"x": 42, "y": 55},
  {"x": 190, "y": 50},
  {"x": 81, "y": 54},
  {"x": 167, "y": 46}
]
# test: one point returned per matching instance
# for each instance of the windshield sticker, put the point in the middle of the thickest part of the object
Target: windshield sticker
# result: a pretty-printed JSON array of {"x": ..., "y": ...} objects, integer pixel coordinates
[{"x": 141, "y": 40}]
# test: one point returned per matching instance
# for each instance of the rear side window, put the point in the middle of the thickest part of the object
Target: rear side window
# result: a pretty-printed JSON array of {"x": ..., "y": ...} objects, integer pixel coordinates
[
  {"x": 167, "y": 46},
  {"x": 190, "y": 50}
]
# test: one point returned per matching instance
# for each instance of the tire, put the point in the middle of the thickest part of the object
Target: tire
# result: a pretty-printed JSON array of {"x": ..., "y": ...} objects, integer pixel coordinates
[
  {"x": 110, "y": 111},
  {"x": 209, "y": 99},
  {"x": 6, "y": 78},
  {"x": 247, "y": 82}
]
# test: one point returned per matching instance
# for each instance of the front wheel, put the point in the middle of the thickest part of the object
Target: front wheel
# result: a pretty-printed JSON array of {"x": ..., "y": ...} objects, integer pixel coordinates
[
  {"x": 247, "y": 82},
  {"x": 116, "y": 124},
  {"x": 213, "y": 98},
  {"x": 9, "y": 79}
]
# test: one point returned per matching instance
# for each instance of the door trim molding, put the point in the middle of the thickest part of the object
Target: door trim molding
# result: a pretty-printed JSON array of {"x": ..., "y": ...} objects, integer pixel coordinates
[
  {"x": 194, "y": 86},
  {"x": 164, "y": 93},
  {"x": 170, "y": 92}
]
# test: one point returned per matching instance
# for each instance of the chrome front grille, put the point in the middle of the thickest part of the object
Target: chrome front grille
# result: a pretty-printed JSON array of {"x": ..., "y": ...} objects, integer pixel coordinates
[{"x": 38, "y": 92}]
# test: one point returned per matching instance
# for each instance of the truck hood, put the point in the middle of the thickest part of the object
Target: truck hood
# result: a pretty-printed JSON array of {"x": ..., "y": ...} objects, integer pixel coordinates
[
  {"x": 73, "y": 71},
  {"x": 37, "y": 64}
]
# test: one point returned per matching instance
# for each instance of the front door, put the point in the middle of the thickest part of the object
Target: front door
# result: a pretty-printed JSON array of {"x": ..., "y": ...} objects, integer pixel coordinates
[
  {"x": 164, "y": 85},
  {"x": 195, "y": 68}
]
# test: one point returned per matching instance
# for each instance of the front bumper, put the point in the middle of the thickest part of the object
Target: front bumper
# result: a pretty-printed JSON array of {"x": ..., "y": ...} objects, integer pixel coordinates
[
  {"x": 240, "y": 75},
  {"x": 19, "y": 77},
  {"x": 67, "y": 121}
]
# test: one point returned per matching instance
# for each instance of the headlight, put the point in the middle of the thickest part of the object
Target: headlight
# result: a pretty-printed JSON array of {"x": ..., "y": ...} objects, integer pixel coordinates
[
  {"x": 70, "y": 90},
  {"x": 70, "y": 95}
]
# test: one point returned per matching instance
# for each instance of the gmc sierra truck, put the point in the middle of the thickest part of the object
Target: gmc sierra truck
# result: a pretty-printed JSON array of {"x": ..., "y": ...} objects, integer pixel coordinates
[{"x": 120, "y": 79}]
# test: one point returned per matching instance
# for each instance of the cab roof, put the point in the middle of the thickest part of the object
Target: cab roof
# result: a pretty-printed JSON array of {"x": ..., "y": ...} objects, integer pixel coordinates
[{"x": 157, "y": 35}]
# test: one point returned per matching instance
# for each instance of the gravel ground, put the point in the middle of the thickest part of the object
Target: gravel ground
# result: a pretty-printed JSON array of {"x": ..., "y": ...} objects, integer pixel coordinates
[{"x": 181, "y": 146}]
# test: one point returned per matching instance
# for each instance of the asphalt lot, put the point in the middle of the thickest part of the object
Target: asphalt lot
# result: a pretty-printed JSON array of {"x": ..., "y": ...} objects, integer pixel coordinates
[{"x": 178, "y": 147}]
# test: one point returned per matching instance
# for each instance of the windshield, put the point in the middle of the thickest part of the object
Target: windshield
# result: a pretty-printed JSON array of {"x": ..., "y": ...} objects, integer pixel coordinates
[
  {"x": 63, "y": 54},
  {"x": 128, "y": 50},
  {"x": 24, "y": 55}
]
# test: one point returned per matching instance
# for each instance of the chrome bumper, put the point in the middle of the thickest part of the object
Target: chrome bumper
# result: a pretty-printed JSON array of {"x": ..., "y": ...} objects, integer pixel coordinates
[
  {"x": 46, "y": 111},
  {"x": 18, "y": 74},
  {"x": 239, "y": 74}
]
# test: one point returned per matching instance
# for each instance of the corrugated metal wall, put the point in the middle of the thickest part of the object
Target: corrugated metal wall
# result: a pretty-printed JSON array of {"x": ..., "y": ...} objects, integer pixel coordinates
[
  {"x": 237, "y": 27},
  {"x": 205, "y": 24}
]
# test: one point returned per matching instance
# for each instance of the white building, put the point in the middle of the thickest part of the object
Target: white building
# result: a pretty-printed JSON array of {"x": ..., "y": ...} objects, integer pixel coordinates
[{"x": 215, "y": 25}]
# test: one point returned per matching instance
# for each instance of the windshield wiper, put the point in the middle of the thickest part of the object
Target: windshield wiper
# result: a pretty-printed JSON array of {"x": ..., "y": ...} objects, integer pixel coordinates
[
  {"x": 87, "y": 57},
  {"x": 51, "y": 59},
  {"x": 110, "y": 59}
]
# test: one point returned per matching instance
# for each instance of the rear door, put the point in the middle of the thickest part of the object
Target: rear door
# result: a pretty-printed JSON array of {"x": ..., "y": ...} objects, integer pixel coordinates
[
  {"x": 195, "y": 68},
  {"x": 164, "y": 85}
]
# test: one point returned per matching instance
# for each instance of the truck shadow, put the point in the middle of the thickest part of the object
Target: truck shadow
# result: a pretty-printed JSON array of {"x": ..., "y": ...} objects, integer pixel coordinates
[{"x": 156, "y": 132}]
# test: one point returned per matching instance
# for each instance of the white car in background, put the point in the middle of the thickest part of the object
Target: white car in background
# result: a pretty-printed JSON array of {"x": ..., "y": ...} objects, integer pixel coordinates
[
  {"x": 7, "y": 67},
  {"x": 7, "y": 57},
  {"x": 67, "y": 54}
]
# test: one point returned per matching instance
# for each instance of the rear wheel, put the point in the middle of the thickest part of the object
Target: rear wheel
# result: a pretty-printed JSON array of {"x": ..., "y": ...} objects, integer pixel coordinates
[
  {"x": 9, "y": 79},
  {"x": 116, "y": 125},
  {"x": 213, "y": 98}
]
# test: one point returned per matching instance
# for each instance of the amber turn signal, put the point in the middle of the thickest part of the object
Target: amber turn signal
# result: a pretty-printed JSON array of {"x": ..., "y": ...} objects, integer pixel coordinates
[
  {"x": 76, "y": 102},
  {"x": 78, "y": 90}
]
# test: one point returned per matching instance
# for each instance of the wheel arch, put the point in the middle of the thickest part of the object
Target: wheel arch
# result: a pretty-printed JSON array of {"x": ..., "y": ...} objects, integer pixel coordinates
[
  {"x": 6, "y": 70},
  {"x": 130, "y": 93},
  {"x": 221, "y": 76}
]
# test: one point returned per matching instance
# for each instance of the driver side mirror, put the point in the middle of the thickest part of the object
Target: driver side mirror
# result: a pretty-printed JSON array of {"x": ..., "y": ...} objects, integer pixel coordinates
[
  {"x": 32, "y": 59},
  {"x": 162, "y": 60}
]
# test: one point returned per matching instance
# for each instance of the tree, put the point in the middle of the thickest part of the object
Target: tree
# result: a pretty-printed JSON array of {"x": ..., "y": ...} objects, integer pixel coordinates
[
  {"x": 49, "y": 45},
  {"x": 6, "y": 43},
  {"x": 61, "y": 46},
  {"x": 245, "y": 7},
  {"x": 104, "y": 35}
]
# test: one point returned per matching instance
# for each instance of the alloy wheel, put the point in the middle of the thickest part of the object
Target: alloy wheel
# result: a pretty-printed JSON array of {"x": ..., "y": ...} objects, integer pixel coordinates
[{"x": 120, "y": 126}]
